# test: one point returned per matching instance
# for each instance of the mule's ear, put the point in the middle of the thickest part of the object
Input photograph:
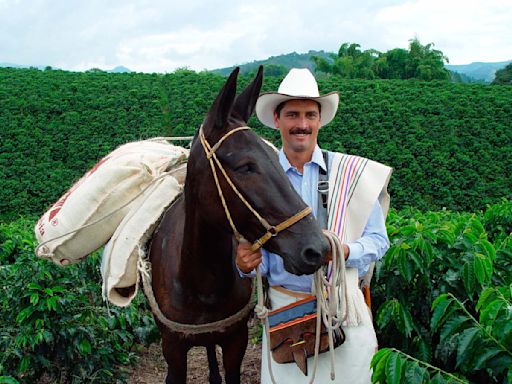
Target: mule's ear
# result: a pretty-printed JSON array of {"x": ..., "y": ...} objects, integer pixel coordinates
[
  {"x": 246, "y": 102},
  {"x": 217, "y": 116}
]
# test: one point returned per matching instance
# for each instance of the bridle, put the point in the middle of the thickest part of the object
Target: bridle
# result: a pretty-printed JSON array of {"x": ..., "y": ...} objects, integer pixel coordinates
[{"x": 272, "y": 230}]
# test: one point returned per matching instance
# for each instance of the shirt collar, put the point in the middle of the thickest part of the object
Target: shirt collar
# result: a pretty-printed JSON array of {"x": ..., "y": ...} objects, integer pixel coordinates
[{"x": 317, "y": 159}]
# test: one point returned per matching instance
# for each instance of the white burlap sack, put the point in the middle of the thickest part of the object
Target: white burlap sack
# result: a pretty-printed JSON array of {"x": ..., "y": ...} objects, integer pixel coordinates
[
  {"x": 87, "y": 215},
  {"x": 119, "y": 263}
]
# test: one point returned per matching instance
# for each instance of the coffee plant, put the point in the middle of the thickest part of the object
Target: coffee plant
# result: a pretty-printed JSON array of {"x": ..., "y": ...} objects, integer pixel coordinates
[
  {"x": 53, "y": 321},
  {"x": 444, "y": 299}
]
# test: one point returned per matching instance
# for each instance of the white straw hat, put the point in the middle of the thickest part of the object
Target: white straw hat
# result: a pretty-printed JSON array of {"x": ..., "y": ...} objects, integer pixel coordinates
[{"x": 299, "y": 83}]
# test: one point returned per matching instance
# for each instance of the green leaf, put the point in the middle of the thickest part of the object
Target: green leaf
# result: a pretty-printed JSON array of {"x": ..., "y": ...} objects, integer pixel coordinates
[
  {"x": 34, "y": 286},
  {"x": 414, "y": 373},
  {"x": 24, "y": 364},
  {"x": 439, "y": 307},
  {"x": 51, "y": 303},
  {"x": 482, "y": 358},
  {"x": 466, "y": 339},
  {"x": 8, "y": 380},
  {"x": 489, "y": 313},
  {"x": 34, "y": 298},
  {"x": 478, "y": 268},
  {"x": 452, "y": 325},
  {"x": 84, "y": 347},
  {"x": 418, "y": 261},
  {"x": 404, "y": 266},
  {"x": 469, "y": 240},
  {"x": 385, "y": 313},
  {"x": 24, "y": 314},
  {"x": 437, "y": 379},
  {"x": 489, "y": 249},
  {"x": 379, "y": 362},
  {"x": 394, "y": 368},
  {"x": 422, "y": 348},
  {"x": 499, "y": 362},
  {"x": 406, "y": 320},
  {"x": 468, "y": 277},
  {"x": 484, "y": 296}
]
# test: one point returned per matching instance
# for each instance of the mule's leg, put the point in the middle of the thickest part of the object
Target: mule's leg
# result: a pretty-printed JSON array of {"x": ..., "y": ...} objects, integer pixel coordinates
[
  {"x": 214, "y": 376},
  {"x": 175, "y": 354},
  {"x": 233, "y": 351}
]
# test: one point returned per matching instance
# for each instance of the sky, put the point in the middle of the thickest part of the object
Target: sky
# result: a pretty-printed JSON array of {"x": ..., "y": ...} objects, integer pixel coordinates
[{"x": 163, "y": 35}]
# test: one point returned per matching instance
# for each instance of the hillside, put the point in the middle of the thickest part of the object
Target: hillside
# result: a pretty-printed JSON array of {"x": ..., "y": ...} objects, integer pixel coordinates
[
  {"x": 289, "y": 60},
  {"x": 449, "y": 144},
  {"x": 474, "y": 72},
  {"x": 479, "y": 71}
]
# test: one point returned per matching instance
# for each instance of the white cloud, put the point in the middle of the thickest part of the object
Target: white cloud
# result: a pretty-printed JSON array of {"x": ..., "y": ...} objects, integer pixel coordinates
[
  {"x": 159, "y": 36},
  {"x": 464, "y": 30}
]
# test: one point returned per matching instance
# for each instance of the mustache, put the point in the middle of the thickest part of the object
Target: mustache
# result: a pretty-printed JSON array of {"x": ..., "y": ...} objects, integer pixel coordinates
[{"x": 298, "y": 131}]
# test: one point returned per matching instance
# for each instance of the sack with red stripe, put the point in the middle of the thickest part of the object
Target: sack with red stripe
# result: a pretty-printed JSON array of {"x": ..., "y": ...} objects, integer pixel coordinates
[{"x": 87, "y": 215}]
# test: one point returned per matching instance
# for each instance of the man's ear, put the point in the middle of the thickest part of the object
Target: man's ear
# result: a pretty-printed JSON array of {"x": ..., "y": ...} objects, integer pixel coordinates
[{"x": 276, "y": 120}]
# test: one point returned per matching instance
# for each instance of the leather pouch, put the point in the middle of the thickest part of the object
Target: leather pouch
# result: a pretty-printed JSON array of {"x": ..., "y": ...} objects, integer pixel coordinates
[{"x": 292, "y": 333}]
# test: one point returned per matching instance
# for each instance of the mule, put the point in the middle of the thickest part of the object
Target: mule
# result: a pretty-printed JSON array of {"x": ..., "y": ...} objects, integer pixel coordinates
[{"x": 194, "y": 276}]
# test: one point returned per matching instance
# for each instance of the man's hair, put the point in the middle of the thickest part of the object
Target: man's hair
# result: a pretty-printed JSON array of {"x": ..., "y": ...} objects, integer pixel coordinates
[{"x": 280, "y": 106}]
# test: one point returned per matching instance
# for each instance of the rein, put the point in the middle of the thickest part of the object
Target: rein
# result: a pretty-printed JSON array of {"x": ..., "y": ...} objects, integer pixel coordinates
[
  {"x": 271, "y": 229},
  {"x": 330, "y": 293},
  {"x": 144, "y": 265}
]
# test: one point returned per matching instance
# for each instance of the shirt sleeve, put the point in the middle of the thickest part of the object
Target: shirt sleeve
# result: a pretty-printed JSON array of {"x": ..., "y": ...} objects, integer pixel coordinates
[{"x": 373, "y": 243}]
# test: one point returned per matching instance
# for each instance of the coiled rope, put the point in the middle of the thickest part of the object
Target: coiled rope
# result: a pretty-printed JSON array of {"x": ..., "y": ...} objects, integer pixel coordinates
[{"x": 333, "y": 307}]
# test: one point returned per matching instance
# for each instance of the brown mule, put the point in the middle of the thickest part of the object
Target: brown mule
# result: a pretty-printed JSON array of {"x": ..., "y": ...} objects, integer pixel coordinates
[{"x": 194, "y": 277}]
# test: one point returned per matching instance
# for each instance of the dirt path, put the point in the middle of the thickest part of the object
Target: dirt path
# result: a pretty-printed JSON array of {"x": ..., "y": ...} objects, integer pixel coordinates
[{"x": 152, "y": 368}]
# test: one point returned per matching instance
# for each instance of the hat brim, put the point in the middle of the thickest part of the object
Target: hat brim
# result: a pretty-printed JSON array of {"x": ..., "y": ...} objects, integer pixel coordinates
[{"x": 267, "y": 103}]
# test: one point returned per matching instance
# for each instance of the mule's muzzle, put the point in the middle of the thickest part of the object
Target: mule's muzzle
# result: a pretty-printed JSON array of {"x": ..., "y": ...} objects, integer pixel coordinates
[{"x": 312, "y": 257}]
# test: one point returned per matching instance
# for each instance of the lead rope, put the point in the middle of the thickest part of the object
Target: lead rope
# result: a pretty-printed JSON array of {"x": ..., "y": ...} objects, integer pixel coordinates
[
  {"x": 331, "y": 308},
  {"x": 271, "y": 229}
]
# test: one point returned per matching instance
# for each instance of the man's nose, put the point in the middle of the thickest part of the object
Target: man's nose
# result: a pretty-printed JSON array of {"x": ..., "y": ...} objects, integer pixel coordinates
[{"x": 303, "y": 122}]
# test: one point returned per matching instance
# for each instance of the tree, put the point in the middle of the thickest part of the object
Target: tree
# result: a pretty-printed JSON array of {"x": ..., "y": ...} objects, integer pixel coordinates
[
  {"x": 420, "y": 61},
  {"x": 503, "y": 76},
  {"x": 425, "y": 63},
  {"x": 350, "y": 63}
]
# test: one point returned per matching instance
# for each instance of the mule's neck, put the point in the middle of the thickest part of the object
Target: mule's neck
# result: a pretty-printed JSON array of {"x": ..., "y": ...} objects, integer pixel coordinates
[{"x": 207, "y": 253}]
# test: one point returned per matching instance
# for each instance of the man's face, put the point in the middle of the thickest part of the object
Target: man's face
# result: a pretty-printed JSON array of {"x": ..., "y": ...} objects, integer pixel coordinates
[{"x": 299, "y": 122}]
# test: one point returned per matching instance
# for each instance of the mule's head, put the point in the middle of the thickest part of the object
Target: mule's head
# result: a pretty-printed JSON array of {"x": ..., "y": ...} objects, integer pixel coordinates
[{"x": 254, "y": 169}]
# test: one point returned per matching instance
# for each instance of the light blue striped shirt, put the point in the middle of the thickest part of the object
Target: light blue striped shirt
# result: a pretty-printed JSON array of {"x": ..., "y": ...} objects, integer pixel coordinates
[{"x": 370, "y": 247}]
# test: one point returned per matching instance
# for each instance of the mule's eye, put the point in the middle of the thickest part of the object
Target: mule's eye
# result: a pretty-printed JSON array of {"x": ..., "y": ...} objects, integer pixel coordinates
[{"x": 246, "y": 168}]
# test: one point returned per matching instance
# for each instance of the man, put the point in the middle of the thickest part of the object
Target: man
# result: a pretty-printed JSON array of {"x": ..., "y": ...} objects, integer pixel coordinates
[{"x": 354, "y": 213}]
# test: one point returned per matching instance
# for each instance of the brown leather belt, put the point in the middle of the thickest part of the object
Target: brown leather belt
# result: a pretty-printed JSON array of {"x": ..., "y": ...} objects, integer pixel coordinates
[{"x": 298, "y": 295}]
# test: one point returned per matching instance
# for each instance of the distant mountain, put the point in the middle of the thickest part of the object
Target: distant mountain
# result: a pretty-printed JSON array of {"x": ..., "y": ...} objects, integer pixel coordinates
[
  {"x": 289, "y": 60},
  {"x": 474, "y": 72},
  {"x": 478, "y": 70},
  {"x": 119, "y": 69},
  {"x": 11, "y": 65}
]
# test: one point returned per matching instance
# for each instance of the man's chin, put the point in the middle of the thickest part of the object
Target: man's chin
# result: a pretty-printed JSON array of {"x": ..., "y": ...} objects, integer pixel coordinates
[{"x": 299, "y": 147}]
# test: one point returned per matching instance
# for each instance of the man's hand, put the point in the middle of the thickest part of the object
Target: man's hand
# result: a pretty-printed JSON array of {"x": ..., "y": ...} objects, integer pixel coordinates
[
  {"x": 346, "y": 253},
  {"x": 247, "y": 260}
]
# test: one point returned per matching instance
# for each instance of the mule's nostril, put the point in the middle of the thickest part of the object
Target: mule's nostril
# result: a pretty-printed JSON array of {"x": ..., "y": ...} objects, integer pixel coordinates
[{"x": 312, "y": 255}]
